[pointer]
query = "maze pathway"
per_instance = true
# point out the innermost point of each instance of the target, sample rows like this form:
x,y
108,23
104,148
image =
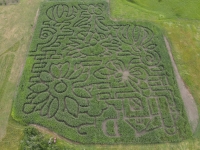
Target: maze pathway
x,y
94,80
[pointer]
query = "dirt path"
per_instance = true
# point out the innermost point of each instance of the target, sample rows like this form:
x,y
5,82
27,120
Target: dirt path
x,y
36,18
189,102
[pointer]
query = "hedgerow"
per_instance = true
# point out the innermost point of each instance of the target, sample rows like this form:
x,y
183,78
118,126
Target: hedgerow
x,y
94,80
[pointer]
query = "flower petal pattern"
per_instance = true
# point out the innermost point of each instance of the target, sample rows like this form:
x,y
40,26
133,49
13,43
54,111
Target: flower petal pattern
x,y
55,71
53,107
81,93
46,77
29,108
38,88
71,106
65,69
41,97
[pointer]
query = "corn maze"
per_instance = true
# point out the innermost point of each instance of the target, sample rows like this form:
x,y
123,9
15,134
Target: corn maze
x,y
94,80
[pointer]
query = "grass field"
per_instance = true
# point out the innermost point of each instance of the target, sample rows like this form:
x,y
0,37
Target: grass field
x,y
119,10
6,62
15,33
169,9
14,134
154,10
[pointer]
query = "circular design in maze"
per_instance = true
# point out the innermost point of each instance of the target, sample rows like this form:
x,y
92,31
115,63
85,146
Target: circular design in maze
x,y
94,80
60,87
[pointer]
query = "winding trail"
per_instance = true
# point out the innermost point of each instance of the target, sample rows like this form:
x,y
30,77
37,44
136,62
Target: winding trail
x,y
188,100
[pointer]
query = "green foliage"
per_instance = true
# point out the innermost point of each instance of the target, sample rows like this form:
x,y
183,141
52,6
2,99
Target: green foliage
x,y
171,8
153,106
141,125
37,88
155,123
167,120
72,106
116,103
33,139
82,93
110,127
110,113
84,70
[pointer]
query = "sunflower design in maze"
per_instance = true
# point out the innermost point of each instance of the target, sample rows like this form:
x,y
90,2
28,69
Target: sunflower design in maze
x,y
100,78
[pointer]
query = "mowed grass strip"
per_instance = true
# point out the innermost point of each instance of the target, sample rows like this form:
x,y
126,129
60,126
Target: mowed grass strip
x,y
16,28
5,68
156,9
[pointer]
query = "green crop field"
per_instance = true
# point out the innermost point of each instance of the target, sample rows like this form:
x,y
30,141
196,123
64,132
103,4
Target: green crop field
x,y
94,80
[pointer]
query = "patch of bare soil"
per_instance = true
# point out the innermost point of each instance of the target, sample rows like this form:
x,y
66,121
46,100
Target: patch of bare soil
x,y
125,75
189,102
36,18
